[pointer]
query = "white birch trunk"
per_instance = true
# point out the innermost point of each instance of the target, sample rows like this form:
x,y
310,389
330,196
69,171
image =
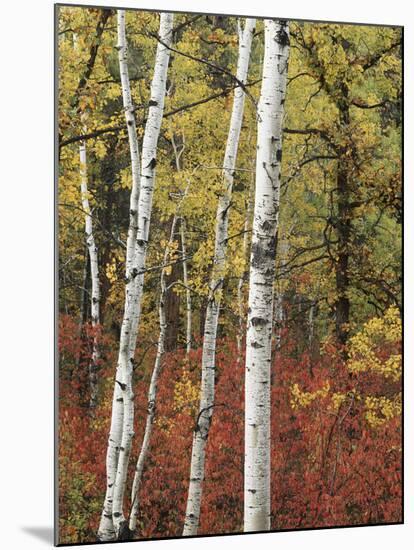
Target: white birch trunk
x,y
122,48
106,528
202,427
132,314
262,271
95,294
94,266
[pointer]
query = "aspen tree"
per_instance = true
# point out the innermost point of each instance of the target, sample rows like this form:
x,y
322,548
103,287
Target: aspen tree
x,y
106,528
94,270
129,335
262,271
93,260
201,430
113,523
152,392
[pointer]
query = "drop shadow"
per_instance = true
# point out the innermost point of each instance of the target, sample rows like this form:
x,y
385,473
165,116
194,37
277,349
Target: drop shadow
x,y
44,534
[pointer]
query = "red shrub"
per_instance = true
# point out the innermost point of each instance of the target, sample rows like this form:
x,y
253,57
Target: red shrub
x,y
329,467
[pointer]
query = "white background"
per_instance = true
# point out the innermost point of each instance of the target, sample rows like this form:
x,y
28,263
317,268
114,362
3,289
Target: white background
x,y
26,271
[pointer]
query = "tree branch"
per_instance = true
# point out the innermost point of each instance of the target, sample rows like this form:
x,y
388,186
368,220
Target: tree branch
x,y
375,58
93,52
208,64
362,105
102,131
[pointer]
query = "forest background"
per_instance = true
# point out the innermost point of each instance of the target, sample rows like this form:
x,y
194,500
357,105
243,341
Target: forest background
x,y
41,340
336,399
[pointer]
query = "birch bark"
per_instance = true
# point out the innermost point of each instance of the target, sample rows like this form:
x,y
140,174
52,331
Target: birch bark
x,y
129,329
106,530
94,267
152,392
262,271
92,251
215,288
128,104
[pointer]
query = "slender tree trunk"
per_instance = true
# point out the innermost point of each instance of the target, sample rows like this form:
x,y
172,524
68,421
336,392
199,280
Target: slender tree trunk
x,y
343,228
106,530
201,430
342,304
172,306
311,324
188,305
107,174
262,272
132,313
84,294
152,392
104,15
94,267
89,236
84,307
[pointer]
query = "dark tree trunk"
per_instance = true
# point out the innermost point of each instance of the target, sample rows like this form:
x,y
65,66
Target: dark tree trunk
x,y
343,228
172,307
172,303
108,176
85,312
84,294
342,306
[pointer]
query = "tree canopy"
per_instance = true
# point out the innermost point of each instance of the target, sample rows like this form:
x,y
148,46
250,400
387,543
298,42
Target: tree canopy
x,y
337,283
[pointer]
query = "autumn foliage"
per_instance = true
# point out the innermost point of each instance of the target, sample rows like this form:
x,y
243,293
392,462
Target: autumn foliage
x,y
336,403
336,438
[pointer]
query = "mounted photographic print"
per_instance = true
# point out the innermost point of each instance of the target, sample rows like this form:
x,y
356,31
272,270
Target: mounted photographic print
x,y
229,275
